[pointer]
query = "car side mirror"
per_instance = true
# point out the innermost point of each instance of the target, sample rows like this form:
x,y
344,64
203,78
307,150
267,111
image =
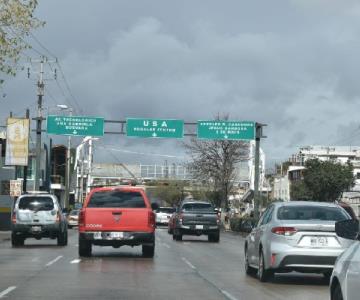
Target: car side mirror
x,y
348,229
154,206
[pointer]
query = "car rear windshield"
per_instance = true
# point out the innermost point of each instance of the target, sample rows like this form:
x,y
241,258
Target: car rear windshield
x,y
74,213
36,203
168,210
307,213
117,199
197,207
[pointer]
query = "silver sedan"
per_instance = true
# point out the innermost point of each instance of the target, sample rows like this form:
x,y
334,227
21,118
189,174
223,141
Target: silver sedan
x,y
295,236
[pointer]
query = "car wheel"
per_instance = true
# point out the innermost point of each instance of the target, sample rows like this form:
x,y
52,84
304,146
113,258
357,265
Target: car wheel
x,y
248,269
214,238
337,293
263,273
84,247
17,241
62,239
148,251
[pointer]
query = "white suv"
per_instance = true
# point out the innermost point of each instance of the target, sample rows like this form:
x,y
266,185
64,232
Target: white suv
x,y
38,215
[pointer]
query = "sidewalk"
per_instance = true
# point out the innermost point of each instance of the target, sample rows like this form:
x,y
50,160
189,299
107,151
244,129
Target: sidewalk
x,y
5,236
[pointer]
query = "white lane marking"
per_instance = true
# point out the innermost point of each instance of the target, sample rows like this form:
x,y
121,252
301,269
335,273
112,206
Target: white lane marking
x,y
166,245
188,263
75,261
228,295
54,260
186,243
7,291
35,259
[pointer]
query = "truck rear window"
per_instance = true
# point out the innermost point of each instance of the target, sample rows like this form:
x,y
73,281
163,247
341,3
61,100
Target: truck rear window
x,y
198,207
36,203
117,199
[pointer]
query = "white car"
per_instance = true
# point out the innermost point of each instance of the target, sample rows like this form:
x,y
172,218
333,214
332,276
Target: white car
x,y
163,215
345,279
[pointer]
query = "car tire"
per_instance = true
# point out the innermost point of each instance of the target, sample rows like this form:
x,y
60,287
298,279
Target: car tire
x,y
214,237
248,269
84,247
337,293
62,239
148,251
263,273
17,241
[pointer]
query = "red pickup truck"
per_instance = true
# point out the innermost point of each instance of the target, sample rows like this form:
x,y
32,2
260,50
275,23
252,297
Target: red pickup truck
x,y
117,216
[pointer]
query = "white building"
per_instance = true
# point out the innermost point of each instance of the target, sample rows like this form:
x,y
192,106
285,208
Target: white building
x,y
282,184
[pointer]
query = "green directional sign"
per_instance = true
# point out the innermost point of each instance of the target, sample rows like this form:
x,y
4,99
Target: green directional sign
x,y
226,130
75,125
155,128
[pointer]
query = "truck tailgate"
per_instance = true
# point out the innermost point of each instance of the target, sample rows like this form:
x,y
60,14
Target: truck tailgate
x,y
117,219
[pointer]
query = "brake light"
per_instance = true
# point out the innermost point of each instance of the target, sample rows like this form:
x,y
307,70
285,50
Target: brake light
x,y
81,219
13,217
151,219
286,231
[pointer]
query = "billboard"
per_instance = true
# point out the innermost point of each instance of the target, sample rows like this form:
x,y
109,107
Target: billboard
x,y
17,142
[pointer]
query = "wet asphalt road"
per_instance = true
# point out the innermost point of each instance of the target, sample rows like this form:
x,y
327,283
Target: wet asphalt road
x,y
191,269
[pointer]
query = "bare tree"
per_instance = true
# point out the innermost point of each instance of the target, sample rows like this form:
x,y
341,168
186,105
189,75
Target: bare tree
x,y
214,162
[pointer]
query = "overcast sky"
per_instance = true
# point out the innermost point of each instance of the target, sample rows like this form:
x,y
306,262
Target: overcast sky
x,y
291,64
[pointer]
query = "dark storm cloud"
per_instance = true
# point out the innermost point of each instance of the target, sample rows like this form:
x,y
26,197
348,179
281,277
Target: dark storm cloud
x,y
290,64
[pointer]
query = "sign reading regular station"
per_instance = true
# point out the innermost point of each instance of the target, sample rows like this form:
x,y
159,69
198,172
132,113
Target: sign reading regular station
x,y
226,130
75,125
156,128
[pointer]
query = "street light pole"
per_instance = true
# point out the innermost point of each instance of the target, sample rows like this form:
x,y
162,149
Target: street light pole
x,y
68,160
68,163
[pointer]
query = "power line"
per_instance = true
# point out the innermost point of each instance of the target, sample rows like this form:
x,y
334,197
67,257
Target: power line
x,y
61,71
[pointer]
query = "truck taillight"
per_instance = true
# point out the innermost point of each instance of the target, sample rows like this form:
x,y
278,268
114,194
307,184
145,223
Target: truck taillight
x,y
81,219
13,217
287,231
151,219
181,216
218,220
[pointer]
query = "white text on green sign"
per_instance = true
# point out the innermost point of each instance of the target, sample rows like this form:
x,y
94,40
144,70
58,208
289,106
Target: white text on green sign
x,y
226,130
156,128
75,125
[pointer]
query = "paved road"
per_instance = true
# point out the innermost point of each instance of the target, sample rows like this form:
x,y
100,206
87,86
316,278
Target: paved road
x,y
191,269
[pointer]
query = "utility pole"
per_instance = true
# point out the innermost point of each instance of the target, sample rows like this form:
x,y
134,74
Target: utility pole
x,y
25,170
258,136
40,85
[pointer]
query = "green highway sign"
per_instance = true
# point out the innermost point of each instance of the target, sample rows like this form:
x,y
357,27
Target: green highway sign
x,y
155,128
75,125
226,130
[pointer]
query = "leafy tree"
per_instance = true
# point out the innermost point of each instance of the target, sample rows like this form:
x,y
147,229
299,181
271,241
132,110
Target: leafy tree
x,y
16,22
326,180
172,192
299,191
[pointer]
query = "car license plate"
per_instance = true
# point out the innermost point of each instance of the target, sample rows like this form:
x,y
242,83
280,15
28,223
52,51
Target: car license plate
x,y
97,235
117,235
319,241
36,228
199,226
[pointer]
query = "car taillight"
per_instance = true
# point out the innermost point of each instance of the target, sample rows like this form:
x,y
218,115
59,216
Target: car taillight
x,y
218,220
13,217
151,219
287,231
81,219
